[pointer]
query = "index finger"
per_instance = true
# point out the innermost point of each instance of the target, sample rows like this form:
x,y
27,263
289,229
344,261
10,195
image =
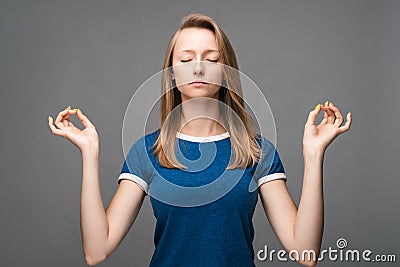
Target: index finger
x,y
85,121
61,115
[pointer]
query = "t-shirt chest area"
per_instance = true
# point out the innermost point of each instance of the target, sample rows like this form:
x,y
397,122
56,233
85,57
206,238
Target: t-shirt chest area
x,y
205,182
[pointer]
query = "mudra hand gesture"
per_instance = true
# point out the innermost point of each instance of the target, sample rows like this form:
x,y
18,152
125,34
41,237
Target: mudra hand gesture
x,y
86,139
318,137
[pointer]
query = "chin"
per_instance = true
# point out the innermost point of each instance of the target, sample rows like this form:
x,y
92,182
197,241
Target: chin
x,y
187,97
199,93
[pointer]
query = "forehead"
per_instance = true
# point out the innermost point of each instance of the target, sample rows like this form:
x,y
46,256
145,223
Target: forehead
x,y
197,39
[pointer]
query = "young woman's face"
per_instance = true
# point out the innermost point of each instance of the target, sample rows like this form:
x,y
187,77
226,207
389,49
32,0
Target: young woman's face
x,y
195,58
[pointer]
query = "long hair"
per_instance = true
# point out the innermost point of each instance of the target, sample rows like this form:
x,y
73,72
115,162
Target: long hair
x,y
243,139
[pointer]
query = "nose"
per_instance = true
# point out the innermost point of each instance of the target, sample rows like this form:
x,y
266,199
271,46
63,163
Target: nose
x,y
198,68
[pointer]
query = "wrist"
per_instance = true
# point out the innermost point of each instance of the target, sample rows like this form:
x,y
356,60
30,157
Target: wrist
x,y
314,154
90,150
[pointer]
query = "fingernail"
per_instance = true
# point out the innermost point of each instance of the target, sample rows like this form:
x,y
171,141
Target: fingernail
x,y
350,113
48,118
75,109
317,106
69,107
331,104
79,111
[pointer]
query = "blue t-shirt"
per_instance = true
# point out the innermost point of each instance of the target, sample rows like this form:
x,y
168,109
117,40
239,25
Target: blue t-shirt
x,y
204,213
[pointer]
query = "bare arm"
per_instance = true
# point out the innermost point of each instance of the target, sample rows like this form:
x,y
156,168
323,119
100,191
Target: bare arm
x,y
301,228
297,229
102,231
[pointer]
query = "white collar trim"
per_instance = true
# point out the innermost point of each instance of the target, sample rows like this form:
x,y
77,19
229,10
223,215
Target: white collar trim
x,y
202,138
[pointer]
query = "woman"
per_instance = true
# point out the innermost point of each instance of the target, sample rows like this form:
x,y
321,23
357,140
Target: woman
x,y
209,232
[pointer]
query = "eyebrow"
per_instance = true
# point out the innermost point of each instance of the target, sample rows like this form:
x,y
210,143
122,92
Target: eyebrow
x,y
206,51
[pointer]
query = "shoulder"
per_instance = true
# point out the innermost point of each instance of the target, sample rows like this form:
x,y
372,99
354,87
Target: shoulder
x,y
140,153
264,142
147,140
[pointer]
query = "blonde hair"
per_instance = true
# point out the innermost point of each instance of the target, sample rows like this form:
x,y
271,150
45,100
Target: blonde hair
x,y
243,140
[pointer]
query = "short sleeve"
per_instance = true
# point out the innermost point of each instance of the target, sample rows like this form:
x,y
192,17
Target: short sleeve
x,y
137,166
270,166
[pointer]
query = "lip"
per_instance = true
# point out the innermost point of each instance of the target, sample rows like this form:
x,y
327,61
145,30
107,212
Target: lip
x,y
198,83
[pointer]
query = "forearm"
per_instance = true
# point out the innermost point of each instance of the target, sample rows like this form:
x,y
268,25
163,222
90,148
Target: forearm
x,y
309,223
94,224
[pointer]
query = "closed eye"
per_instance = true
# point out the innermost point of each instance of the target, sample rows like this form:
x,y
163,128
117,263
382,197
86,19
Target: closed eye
x,y
211,60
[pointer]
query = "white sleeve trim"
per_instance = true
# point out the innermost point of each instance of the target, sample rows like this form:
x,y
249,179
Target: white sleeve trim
x,y
270,177
142,183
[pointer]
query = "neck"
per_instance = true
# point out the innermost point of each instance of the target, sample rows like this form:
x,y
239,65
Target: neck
x,y
201,117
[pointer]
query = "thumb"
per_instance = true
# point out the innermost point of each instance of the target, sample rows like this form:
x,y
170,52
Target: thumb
x,y
312,116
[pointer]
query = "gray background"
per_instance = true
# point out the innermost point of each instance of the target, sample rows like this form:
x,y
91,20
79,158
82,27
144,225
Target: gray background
x,y
94,54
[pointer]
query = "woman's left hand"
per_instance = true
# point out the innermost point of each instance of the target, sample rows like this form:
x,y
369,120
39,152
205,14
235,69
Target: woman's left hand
x,y
318,137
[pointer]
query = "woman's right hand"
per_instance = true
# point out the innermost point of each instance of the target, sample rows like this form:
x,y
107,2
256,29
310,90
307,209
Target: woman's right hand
x,y
86,139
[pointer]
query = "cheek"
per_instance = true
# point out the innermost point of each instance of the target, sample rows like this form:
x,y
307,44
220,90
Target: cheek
x,y
214,74
182,74
216,78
